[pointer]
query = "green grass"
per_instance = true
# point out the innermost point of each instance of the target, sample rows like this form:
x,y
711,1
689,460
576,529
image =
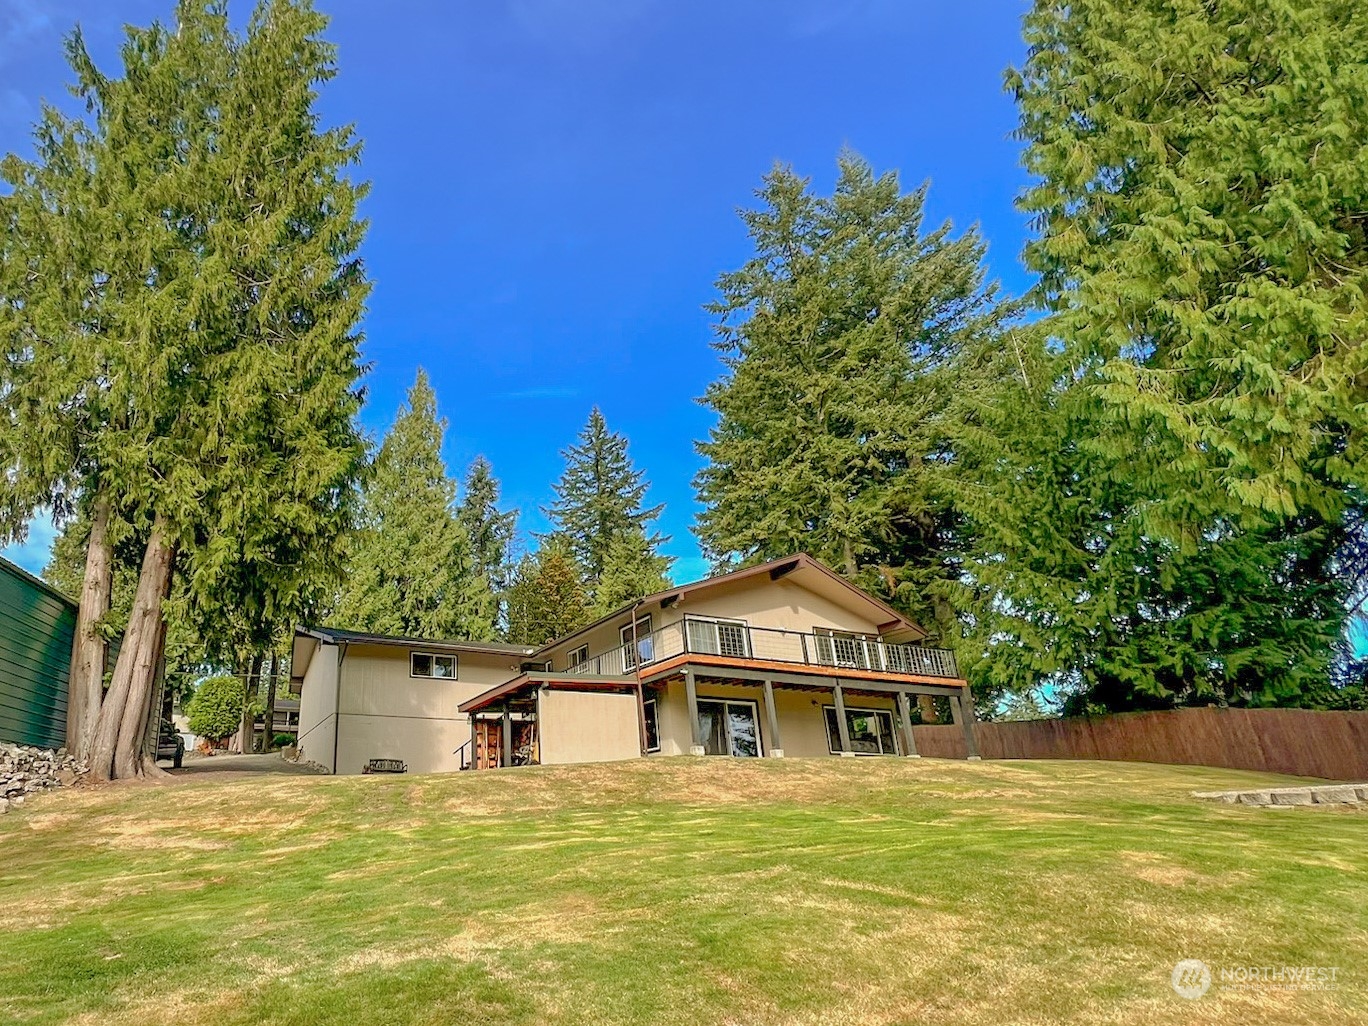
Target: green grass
x,y
678,891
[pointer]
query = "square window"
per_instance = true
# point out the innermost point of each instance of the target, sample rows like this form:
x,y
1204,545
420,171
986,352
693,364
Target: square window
x,y
429,664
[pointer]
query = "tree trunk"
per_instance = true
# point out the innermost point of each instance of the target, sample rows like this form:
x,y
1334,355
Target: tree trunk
x,y
116,751
147,752
88,647
268,728
244,735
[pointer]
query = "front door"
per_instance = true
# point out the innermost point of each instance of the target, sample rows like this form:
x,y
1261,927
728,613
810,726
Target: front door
x,y
729,728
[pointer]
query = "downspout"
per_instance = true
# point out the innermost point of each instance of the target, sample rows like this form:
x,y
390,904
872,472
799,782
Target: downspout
x,y
337,703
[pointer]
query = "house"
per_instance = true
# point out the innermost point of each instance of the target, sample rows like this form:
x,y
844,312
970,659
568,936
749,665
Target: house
x,y
784,658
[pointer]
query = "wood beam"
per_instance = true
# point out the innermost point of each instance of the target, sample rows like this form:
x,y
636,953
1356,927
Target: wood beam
x,y
695,729
905,715
964,702
842,727
507,732
776,746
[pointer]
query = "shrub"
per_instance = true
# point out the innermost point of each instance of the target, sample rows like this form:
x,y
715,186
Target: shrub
x,y
281,740
216,710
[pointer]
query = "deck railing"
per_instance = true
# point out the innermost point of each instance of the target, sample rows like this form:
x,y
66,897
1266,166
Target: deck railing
x,y
740,640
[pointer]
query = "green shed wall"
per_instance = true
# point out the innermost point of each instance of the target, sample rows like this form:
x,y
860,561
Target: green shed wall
x,y
36,629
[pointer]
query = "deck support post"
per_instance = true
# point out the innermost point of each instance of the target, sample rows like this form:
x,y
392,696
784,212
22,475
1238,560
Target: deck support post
x,y
507,732
474,744
905,715
776,746
842,727
695,729
963,705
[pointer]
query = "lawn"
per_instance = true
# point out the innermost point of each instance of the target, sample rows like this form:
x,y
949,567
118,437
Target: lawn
x,y
680,891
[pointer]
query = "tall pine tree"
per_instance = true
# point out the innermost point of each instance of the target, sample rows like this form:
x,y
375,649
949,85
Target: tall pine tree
x,y
836,336
547,597
599,501
413,571
490,531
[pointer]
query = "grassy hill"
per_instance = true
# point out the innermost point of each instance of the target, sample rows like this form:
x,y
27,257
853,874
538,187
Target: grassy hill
x,y
678,891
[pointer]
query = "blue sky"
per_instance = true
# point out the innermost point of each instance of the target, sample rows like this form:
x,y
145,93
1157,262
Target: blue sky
x,y
555,186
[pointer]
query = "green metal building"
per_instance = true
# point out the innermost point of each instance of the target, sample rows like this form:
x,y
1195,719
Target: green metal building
x,y
37,624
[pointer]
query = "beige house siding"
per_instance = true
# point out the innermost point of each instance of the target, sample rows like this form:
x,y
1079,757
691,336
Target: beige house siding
x,y
802,724
387,714
577,726
318,708
781,605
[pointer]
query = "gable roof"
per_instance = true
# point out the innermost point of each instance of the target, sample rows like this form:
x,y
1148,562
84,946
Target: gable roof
x,y
812,571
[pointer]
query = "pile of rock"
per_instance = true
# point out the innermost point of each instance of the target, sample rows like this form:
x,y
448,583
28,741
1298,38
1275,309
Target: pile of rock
x,y
1314,794
24,771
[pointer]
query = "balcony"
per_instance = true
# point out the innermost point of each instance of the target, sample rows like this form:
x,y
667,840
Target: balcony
x,y
734,639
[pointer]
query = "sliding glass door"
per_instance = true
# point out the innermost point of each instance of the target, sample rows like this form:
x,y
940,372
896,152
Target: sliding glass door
x,y
729,728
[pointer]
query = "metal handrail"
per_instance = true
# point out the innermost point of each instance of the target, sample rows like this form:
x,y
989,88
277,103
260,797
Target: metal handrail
x,y
741,640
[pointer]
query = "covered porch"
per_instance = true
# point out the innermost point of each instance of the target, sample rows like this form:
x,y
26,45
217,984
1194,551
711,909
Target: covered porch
x,y
707,705
703,708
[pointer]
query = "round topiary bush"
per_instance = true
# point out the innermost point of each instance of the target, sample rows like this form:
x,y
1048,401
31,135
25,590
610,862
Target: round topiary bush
x,y
216,710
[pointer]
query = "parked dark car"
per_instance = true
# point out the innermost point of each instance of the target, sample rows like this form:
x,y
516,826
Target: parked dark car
x,y
170,745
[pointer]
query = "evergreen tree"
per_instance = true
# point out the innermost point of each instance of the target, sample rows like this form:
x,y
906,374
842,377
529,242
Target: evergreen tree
x,y
1062,583
413,571
490,531
1199,196
632,568
1163,505
547,597
599,498
178,301
836,337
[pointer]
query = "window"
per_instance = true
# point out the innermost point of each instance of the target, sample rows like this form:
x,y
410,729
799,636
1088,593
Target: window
x,y
576,658
718,637
871,731
644,647
844,648
429,664
651,712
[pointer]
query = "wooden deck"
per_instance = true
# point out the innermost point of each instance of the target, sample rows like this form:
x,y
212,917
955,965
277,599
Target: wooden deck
x,y
676,664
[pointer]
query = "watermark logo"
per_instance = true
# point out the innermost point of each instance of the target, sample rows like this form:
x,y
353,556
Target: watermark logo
x,y
1191,978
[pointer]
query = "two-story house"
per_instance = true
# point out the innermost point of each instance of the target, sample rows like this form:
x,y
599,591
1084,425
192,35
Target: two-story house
x,y
784,658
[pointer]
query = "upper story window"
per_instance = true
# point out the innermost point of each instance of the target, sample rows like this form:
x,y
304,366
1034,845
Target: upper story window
x,y
430,664
577,657
716,636
637,644
845,648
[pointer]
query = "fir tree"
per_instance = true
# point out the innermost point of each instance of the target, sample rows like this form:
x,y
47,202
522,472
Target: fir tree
x,y
599,498
836,336
490,531
413,571
631,569
547,597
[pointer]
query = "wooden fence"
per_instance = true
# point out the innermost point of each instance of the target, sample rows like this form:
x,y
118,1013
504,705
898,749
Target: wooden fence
x,y
1301,742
